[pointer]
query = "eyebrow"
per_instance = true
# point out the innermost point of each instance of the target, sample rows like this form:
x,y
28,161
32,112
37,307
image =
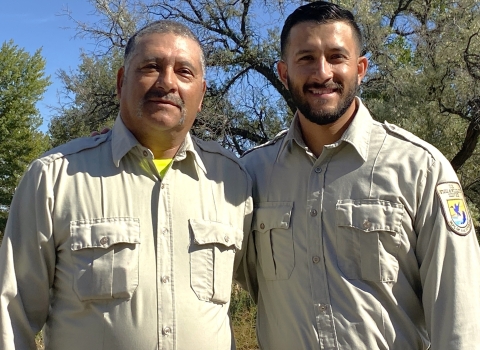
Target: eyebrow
x,y
334,49
182,62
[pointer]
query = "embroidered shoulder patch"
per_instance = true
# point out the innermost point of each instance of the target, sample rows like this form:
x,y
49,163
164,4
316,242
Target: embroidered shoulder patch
x,y
454,207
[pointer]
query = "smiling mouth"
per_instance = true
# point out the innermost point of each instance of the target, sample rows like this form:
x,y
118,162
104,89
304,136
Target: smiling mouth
x,y
322,91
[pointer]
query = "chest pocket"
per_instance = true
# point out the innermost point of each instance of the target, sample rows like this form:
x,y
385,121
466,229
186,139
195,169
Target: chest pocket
x,y
212,256
368,239
105,257
274,239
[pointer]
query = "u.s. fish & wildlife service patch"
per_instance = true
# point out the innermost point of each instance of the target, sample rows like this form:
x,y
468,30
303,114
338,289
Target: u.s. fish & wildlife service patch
x,y
454,207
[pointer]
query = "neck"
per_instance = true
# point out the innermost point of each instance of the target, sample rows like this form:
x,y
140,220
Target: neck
x,y
317,136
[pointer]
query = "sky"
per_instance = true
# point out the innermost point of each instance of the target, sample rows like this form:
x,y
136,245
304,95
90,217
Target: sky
x,y
35,24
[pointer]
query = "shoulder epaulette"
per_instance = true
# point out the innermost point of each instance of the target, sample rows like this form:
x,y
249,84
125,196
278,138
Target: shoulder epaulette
x,y
412,138
214,147
273,141
74,146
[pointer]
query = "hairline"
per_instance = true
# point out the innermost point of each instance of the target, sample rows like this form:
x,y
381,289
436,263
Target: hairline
x,y
357,39
161,27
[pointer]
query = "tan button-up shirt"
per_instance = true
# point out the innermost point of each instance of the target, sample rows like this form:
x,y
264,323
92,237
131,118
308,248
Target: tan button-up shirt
x,y
107,255
355,249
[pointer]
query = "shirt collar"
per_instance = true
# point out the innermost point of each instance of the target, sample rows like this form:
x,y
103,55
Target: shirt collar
x,y
191,145
123,141
357,133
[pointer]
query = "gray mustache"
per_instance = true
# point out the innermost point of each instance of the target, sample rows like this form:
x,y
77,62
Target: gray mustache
x,y
164,96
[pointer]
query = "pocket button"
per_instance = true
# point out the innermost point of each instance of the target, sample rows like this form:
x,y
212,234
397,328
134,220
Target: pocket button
x,y
367,224
104,240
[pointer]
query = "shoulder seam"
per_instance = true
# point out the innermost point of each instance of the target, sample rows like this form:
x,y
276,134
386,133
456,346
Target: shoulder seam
x,y
63,151
273,141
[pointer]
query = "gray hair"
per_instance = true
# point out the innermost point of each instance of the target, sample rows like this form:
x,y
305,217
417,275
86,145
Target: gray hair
x,y
162,27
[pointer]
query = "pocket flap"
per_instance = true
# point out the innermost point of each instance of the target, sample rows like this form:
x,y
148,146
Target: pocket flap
x,y
104,232
270,215
370,215
205,232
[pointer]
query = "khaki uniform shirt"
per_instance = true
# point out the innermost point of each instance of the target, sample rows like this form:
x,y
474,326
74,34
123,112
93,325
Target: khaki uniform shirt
x,y
107,255
354,249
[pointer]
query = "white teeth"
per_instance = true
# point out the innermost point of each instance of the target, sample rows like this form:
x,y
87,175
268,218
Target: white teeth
x,y
322,91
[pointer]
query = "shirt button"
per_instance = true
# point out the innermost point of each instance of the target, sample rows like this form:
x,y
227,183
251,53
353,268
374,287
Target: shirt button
x,y
145,153
367,224
164,230
104,240
313,212
167,331
227,239
316,259
165,279
262,225
318,170
162,186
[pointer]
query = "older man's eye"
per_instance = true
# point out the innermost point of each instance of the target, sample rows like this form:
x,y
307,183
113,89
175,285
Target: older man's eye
x,y
184,72
307,58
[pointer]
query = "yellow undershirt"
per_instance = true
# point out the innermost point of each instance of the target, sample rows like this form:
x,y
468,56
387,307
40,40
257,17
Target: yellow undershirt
x,y
162,165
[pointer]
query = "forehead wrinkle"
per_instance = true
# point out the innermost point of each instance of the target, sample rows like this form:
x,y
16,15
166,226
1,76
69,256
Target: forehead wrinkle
x,y
180,56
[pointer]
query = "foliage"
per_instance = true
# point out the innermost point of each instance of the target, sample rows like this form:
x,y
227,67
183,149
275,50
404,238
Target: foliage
x,y
22,84
424,72
243,313
424,75
89,98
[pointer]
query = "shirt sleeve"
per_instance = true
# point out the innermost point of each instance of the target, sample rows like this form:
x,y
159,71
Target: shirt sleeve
x,y
449,264
27,261
245,272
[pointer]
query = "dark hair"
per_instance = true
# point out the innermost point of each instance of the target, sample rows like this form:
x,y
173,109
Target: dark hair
x,y
161,27
320,12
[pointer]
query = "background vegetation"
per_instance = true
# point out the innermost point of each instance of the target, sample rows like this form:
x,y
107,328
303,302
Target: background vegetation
x,y
424,71
424,75
22,84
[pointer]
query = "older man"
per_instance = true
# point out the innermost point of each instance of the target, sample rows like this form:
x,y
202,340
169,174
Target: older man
x,y
129,240
362,237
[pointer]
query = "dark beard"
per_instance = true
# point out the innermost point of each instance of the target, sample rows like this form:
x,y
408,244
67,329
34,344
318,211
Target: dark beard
x,y
322,117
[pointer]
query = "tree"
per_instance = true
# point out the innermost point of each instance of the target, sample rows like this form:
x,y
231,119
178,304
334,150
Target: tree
x,y
89,98
22,84
423,75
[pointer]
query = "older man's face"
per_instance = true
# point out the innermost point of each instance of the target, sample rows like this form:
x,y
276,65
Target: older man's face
x,y
162,88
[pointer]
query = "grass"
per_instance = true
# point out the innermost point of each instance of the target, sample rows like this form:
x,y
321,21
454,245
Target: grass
x,y
243,312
